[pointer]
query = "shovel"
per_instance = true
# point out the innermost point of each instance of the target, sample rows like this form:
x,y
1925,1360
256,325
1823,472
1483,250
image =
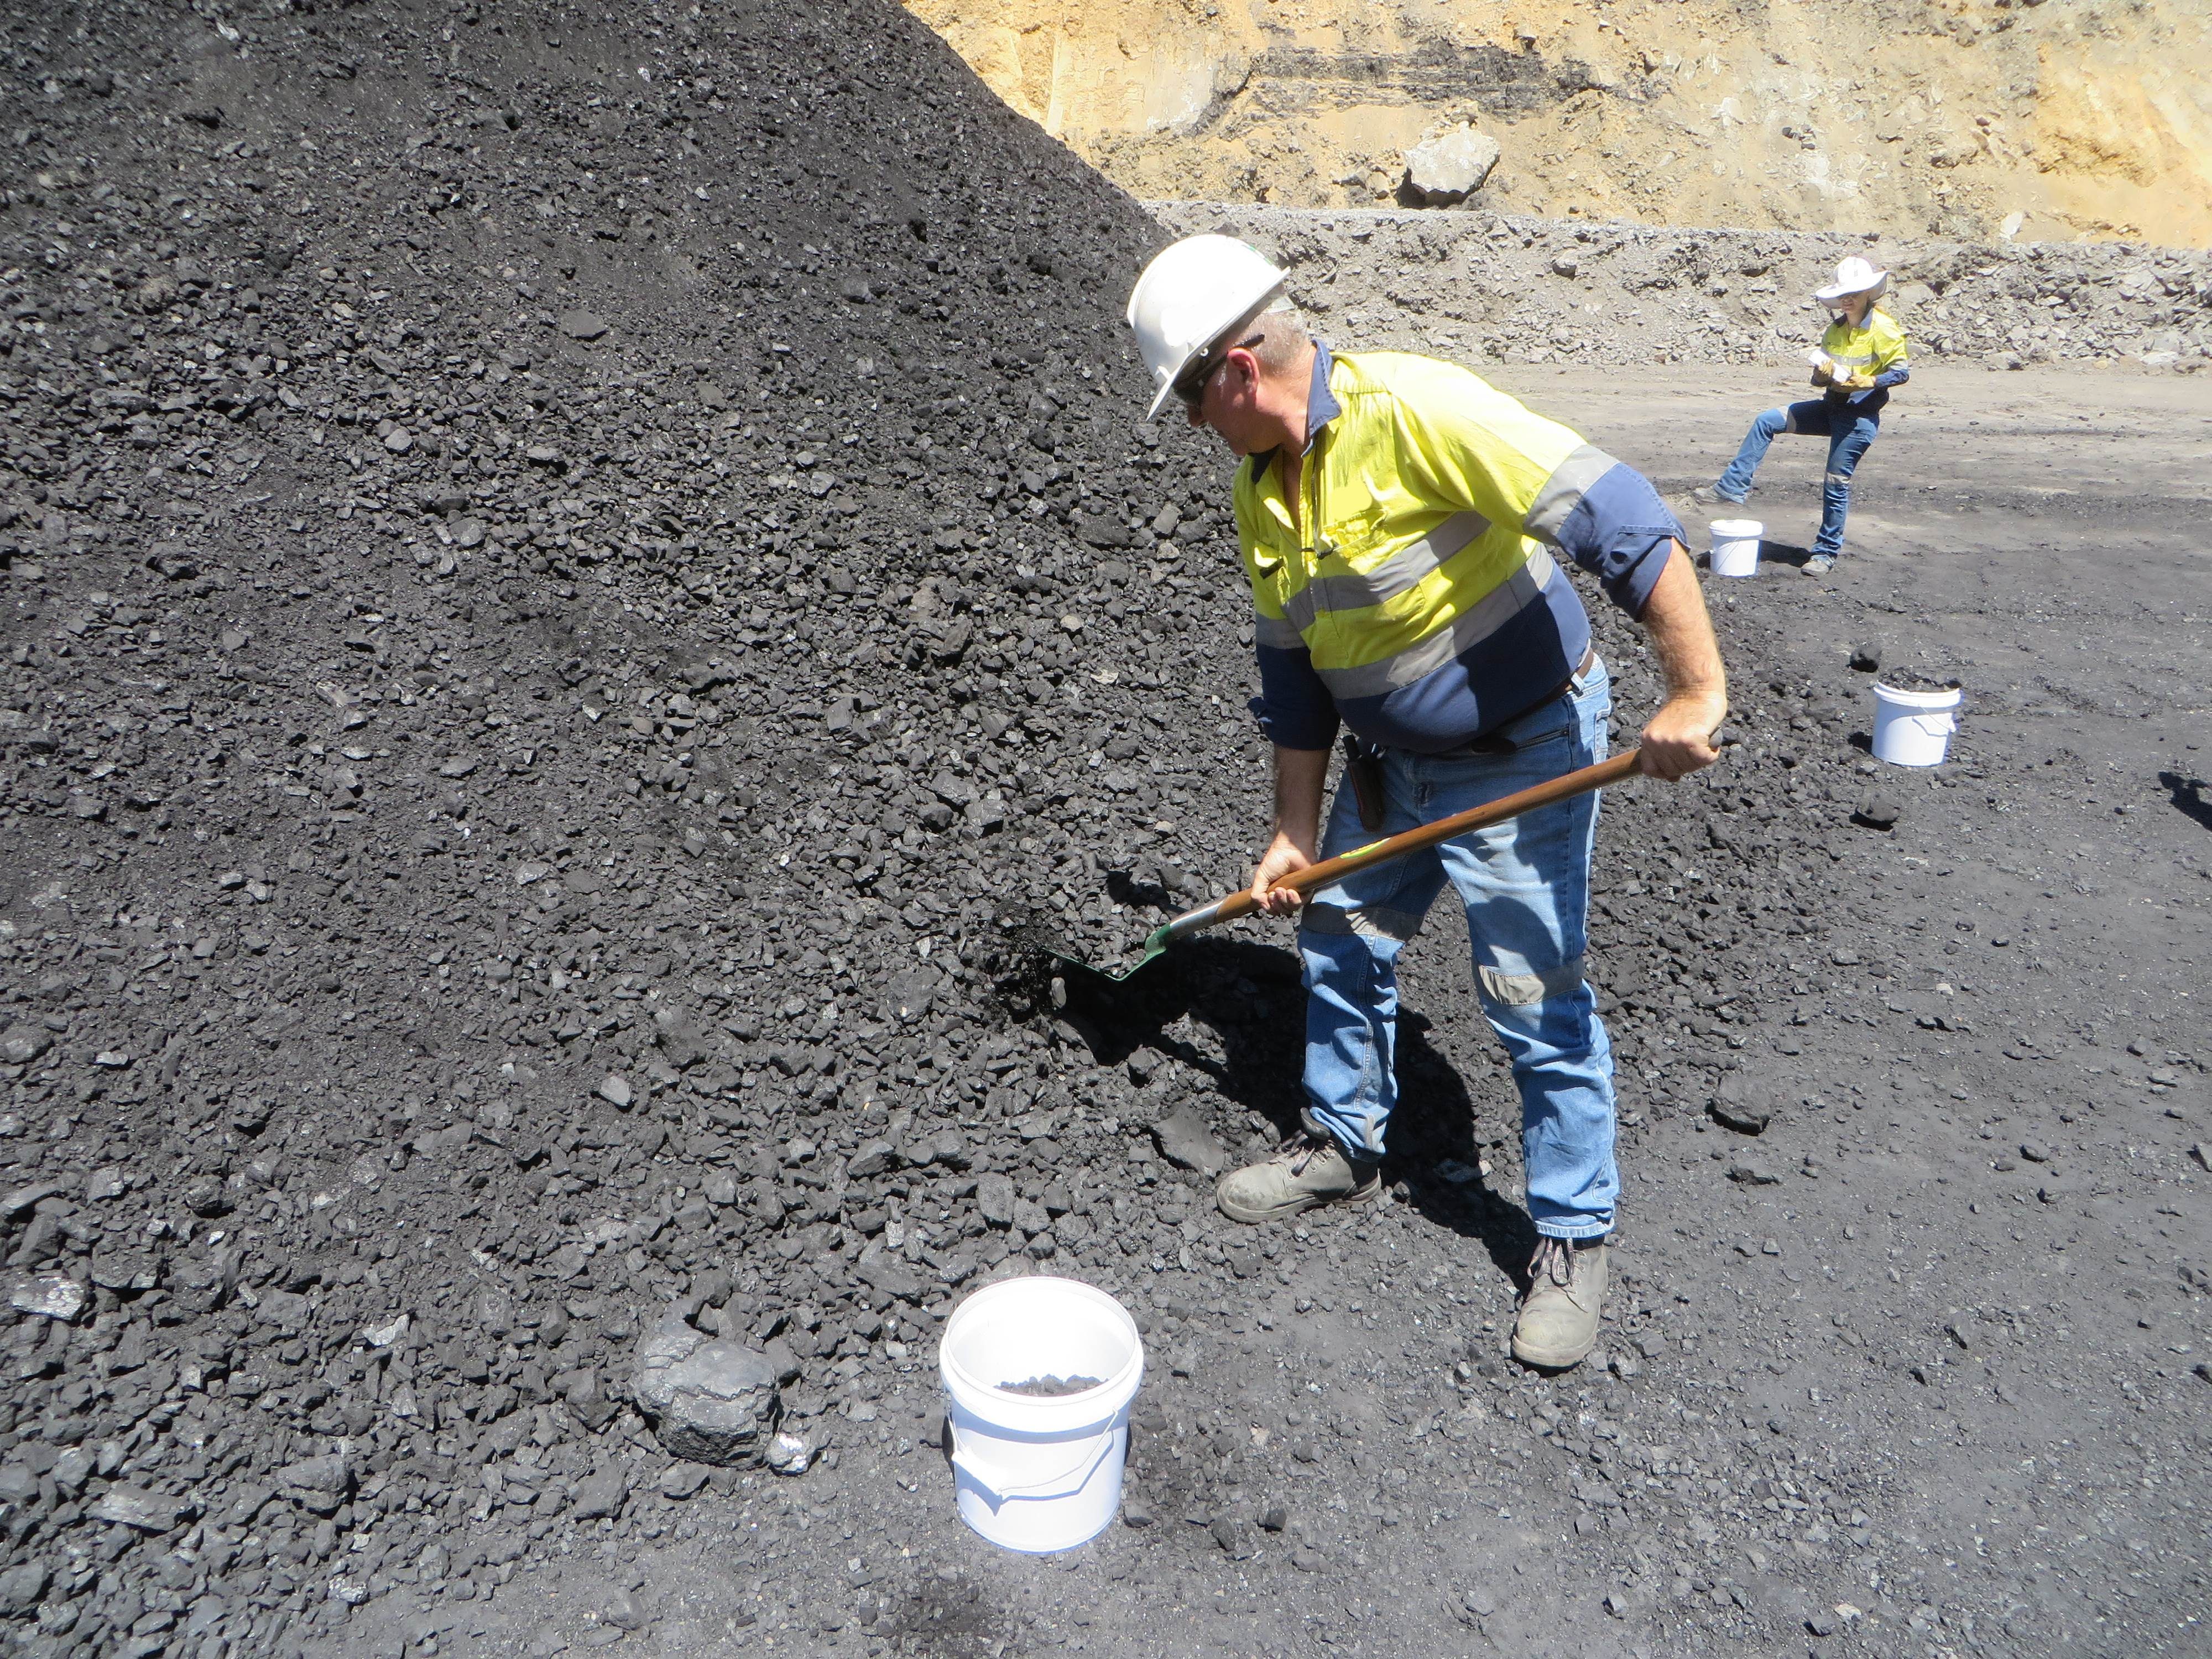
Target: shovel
x,y
1240,903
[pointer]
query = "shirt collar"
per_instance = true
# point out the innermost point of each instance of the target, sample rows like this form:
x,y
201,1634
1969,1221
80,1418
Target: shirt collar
x,y
1321,408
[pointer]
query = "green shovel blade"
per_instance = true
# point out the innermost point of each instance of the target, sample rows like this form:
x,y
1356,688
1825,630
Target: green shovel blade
x,y
1154,943
1190,921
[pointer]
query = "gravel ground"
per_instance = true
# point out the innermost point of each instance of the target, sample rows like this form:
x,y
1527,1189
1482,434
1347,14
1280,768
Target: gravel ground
x,y
556,619
1485,286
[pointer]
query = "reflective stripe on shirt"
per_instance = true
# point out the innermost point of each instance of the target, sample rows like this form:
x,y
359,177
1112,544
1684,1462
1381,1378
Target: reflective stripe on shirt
x,y
1563,491
1484,617
1402,572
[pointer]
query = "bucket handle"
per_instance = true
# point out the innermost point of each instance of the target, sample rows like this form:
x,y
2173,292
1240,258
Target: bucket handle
x,y
994,1482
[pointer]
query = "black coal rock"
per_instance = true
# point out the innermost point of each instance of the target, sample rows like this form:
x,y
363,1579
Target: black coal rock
x,y
1878,812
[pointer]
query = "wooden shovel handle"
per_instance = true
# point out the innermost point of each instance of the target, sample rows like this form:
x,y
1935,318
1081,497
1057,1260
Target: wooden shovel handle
x,y
1567,788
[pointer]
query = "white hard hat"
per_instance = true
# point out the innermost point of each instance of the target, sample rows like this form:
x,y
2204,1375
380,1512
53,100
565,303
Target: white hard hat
x,y
1853,275
1194,292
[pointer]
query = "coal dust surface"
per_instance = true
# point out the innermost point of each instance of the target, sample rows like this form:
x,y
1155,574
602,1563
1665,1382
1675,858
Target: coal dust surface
x,y
1050,1388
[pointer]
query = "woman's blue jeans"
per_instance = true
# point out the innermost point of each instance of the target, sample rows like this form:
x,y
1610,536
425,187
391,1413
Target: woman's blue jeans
x,y
1524,886
1848,432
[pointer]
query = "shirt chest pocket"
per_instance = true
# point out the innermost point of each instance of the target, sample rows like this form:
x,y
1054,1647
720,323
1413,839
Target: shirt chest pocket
x,y
1351,532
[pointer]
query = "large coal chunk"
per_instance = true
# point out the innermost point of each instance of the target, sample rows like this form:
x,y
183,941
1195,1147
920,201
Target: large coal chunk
x,y
712,1400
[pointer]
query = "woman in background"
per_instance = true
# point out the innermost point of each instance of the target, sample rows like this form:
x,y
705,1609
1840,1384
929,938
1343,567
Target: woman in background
x,y
1860,358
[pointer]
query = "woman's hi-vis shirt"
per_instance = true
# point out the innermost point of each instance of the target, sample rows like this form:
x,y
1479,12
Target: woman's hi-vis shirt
x,y
1875,347
1416,597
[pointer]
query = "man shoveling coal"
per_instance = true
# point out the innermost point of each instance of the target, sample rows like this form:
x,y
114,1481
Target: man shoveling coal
x,y
1399,519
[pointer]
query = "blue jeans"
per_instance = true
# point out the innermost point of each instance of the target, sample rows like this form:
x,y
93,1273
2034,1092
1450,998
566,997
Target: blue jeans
x,y
1848,433
1525,887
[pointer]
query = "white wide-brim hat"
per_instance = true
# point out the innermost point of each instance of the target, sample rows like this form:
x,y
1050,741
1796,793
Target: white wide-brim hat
x,y
1853,275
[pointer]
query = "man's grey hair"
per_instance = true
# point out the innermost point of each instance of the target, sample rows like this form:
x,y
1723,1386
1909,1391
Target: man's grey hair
x,y
1283,339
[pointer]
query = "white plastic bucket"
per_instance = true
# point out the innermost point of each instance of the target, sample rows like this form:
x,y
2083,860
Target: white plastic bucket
x,y
1735,546
1039,1474
1914,728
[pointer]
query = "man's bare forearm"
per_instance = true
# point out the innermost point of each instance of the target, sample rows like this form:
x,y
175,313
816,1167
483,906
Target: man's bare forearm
x,y
1678,741
1300,775
1682,633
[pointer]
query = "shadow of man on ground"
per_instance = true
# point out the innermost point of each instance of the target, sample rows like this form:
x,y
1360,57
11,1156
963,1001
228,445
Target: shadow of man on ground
x,y
1251,999
2187,797
1788,553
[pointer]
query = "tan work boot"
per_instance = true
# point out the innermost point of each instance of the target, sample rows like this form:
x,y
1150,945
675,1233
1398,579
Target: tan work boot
x,y
1309,1169
1557,1326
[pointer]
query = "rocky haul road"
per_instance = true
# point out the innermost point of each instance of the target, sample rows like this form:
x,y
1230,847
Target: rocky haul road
x,y
569,585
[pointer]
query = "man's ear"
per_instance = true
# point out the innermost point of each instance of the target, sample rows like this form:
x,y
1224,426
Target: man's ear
x,y
1245,366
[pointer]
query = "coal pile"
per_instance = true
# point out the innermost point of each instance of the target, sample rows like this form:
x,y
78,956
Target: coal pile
x,y
558,576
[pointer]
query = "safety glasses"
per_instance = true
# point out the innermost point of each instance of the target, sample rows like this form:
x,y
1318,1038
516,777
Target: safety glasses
x,y
1190,385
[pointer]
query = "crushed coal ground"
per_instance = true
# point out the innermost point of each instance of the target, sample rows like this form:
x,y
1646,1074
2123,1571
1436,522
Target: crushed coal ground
x,y
578,595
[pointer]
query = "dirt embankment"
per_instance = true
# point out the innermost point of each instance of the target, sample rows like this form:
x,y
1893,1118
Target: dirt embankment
x,y
1970,119
1481,286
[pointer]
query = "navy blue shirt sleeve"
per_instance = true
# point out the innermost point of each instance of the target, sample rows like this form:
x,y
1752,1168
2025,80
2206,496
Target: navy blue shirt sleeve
x,y
1294,708
1622,533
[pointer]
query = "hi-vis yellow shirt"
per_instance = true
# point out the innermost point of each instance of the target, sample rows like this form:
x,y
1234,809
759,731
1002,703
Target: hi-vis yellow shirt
x,y
1875,347
1414,594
